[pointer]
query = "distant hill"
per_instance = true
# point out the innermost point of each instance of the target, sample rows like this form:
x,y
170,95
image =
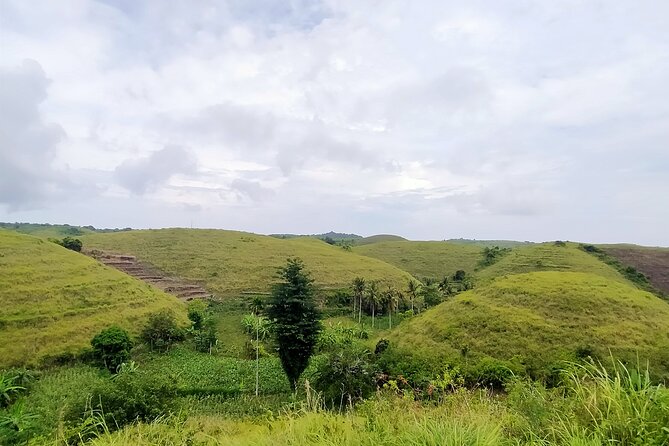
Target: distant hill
x,y
489,243
55,300
336,236
378,239
530,322
548,257
230,262
48,230
424,259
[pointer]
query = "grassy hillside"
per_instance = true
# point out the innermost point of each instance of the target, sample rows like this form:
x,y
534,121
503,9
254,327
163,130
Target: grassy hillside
x,y
54,300
379,238
229,262
537,319
424,259
547,257
488,243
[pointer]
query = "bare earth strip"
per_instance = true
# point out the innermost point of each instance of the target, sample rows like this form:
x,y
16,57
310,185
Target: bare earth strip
x,y
150,274
653,262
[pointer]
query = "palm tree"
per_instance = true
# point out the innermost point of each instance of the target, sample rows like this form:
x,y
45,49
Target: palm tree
x,y
358,293
373,297
413,290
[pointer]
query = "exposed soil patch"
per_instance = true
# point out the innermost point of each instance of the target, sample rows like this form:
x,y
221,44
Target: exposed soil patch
x,y
150,274
653,262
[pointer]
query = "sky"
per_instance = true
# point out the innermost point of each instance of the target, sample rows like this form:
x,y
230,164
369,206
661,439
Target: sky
x,y
434,119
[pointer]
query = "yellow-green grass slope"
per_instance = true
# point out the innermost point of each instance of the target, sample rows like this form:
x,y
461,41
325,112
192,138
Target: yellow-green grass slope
x,y
547,257
230,262
536,320
425,259
53,301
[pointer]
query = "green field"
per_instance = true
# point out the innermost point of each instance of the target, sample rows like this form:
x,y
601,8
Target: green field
x,y
425,259
54,300
230,262
535,320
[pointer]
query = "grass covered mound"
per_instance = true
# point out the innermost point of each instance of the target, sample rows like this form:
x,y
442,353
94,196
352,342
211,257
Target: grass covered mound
x,y
230,262
529,323
54,300
553,256
425,259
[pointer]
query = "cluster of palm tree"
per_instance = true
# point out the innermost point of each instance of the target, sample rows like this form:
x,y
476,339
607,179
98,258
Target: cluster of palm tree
x,y
369,296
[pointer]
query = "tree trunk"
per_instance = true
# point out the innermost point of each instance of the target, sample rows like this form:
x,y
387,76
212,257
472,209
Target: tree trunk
x,y
390,318
257,355
373,315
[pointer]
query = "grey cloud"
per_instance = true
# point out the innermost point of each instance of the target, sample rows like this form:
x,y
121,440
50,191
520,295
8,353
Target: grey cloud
x,y
28,145
143,174
252,189
237,126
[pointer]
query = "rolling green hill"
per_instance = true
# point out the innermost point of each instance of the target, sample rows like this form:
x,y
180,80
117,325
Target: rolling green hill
x,y
230,262
424,259
54,300
535,320
379,238
547,257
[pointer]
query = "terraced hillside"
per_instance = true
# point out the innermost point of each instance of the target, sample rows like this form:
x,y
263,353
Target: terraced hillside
x,y
653,262
547,257
534,320
425,259
54,300
230,262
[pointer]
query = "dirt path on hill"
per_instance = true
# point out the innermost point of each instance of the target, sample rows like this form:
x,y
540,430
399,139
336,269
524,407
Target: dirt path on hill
x,y
150,274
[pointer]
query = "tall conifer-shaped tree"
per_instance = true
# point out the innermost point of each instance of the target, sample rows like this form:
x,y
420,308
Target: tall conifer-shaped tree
x,y
295,319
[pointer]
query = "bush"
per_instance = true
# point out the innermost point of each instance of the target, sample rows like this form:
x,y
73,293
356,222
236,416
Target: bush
x,y
136,396
162,331
347,376
73,244
112,347
197,313
491,372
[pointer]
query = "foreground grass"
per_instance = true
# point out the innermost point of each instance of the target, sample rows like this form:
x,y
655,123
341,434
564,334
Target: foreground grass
x,y
54,300
533,321
592,408
230,262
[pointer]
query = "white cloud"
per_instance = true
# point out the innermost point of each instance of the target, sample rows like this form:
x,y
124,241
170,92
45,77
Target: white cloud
x,y
429,121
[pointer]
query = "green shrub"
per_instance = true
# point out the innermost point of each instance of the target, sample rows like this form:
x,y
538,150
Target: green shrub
x,y
489,372
346,377
73,244
161,331
136,396
112,347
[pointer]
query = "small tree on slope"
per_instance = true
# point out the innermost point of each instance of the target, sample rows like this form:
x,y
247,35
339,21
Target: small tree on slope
x,y
295,319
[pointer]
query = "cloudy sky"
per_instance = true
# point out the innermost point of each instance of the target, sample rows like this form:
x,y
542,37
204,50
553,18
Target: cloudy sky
x,y
521,119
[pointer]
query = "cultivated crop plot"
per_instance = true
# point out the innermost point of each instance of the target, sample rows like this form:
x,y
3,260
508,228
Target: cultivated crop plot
x,y
320,223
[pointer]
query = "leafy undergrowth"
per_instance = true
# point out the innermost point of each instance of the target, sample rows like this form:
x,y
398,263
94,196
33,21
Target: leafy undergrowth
x,y
591,408
54,300
528,323
230,262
